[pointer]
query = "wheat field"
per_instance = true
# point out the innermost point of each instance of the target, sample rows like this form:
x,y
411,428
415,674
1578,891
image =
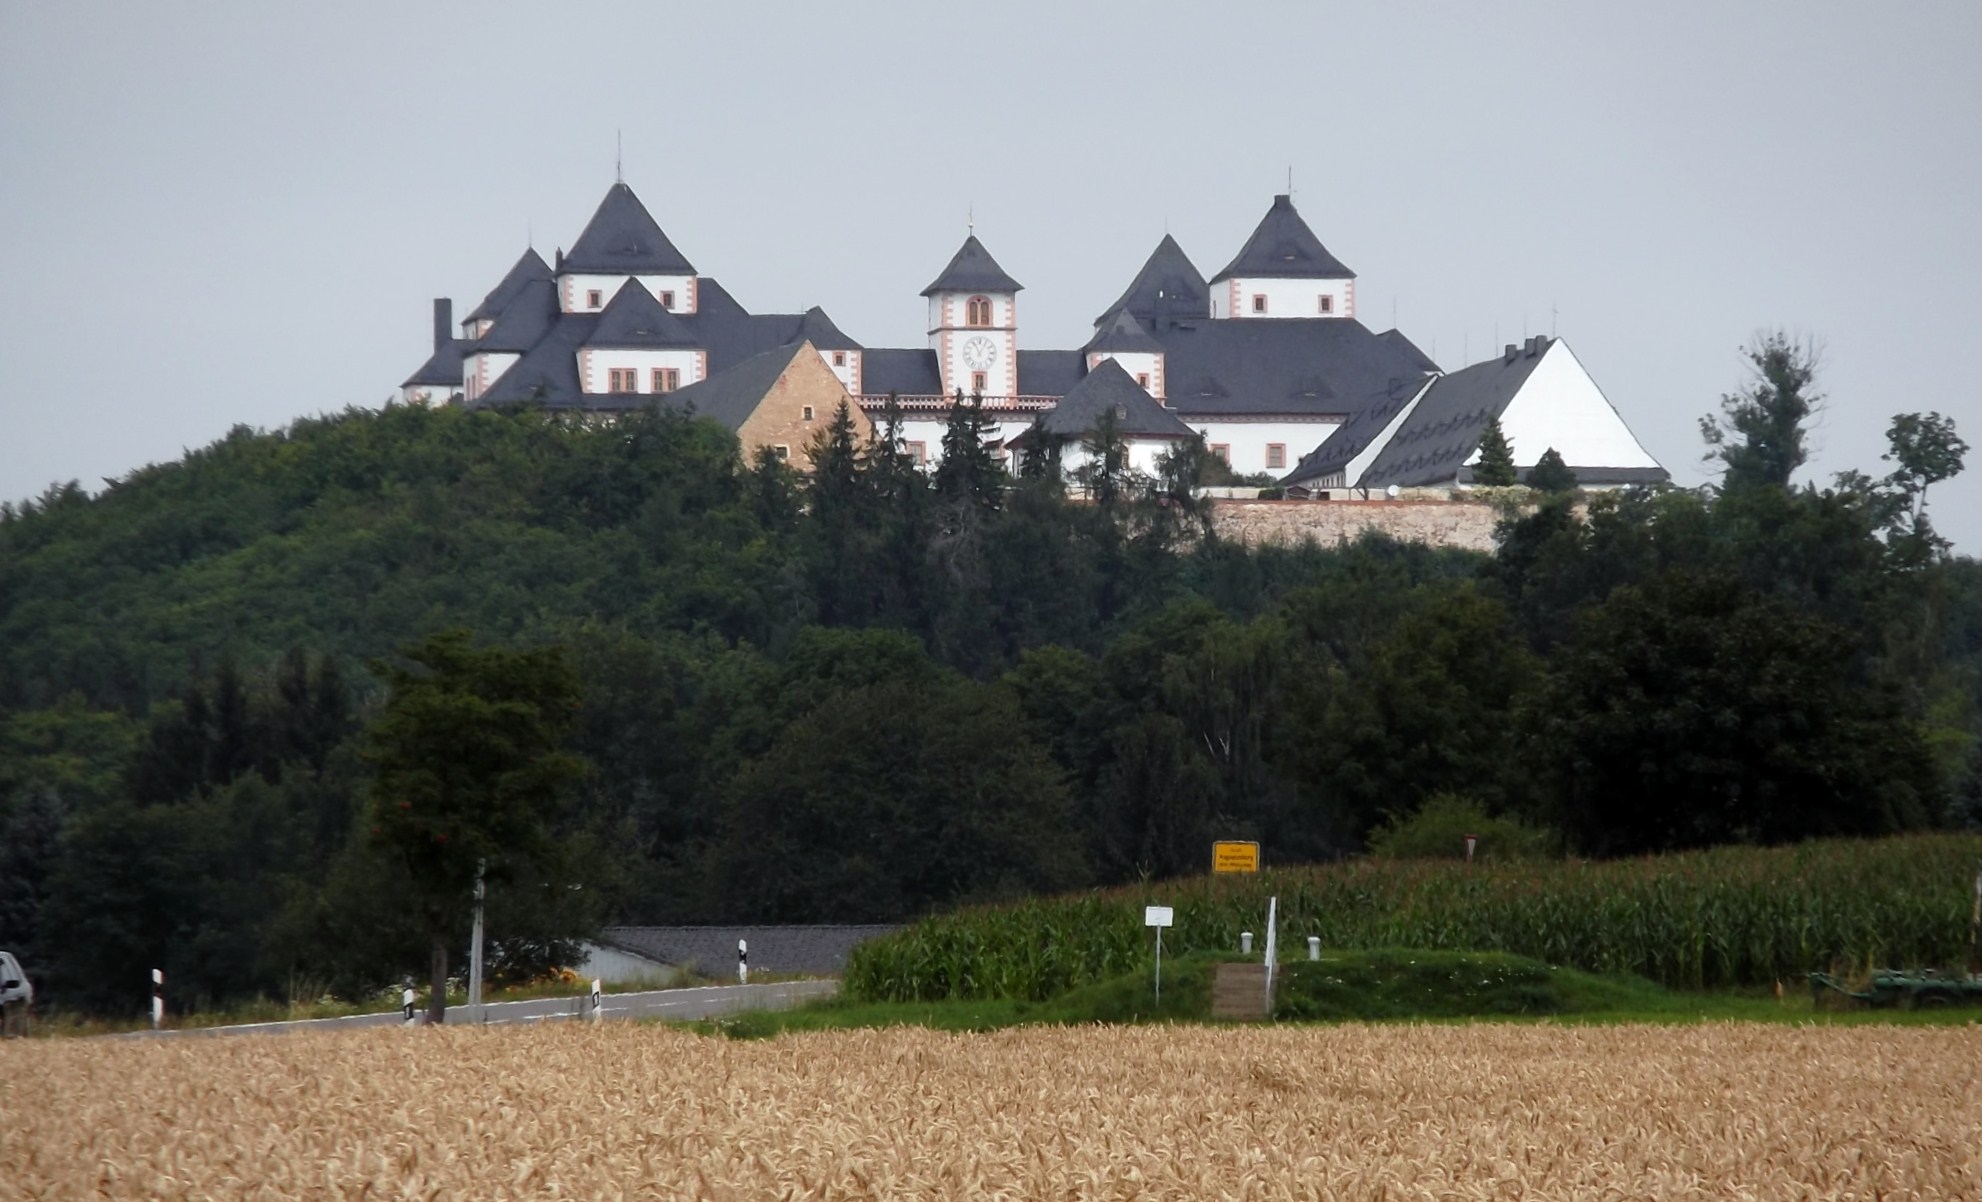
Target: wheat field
x,y
1364,1112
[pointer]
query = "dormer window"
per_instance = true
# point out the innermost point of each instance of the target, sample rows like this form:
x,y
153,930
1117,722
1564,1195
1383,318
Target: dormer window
x,y
594,299
1259,302
1327,304
977,311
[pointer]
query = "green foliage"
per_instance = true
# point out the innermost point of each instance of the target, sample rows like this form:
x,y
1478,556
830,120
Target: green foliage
x,y
1495,468
1730,916
1551,476
1411,983
1758,436
1439,828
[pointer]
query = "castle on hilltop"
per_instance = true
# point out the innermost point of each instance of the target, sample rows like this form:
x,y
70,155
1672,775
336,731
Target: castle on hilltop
x,y
1266,361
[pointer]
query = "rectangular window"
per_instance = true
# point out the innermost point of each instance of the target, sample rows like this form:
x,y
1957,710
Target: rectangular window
x,y
977,381
918,451
622,379
1276,454
1327,304
808,413
594,298
667,379
781,451
1224,451
1142,378
1259,302
667,300
839,358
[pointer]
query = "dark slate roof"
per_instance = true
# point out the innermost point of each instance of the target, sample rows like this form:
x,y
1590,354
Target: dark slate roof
x,y
523,322
442,370
1445,427
1123,332
1354,435
1307,367
1168,288
1284,247
1406,349
633,319
1107,387
909,372
623,237
732,395
530,266
790,949
818,329
547,374
1050,373
973,270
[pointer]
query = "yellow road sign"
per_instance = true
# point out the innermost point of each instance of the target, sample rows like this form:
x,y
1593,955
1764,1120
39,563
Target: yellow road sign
x,y
1234,857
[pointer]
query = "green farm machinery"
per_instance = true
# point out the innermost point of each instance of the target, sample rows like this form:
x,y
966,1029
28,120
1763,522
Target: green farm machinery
x,y
1906,990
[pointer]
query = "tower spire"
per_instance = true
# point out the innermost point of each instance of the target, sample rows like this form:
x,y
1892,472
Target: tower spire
x,y
618,156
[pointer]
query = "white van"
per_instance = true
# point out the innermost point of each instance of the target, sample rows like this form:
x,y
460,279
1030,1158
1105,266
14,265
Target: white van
x,y
16,995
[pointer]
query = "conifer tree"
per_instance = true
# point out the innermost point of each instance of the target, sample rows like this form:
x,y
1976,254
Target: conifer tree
x,y
1551,475
1496,466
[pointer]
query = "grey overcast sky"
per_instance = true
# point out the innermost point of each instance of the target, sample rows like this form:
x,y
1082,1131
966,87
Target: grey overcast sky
x,y
224,213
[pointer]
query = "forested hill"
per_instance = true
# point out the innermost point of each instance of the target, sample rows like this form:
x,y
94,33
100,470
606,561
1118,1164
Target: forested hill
x,y
872,692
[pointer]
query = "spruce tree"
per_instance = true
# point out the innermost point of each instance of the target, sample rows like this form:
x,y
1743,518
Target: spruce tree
x,y
1496,466
1551,475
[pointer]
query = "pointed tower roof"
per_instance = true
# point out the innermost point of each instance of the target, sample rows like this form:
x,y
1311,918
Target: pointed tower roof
x,y
524,321
1169,277
623,237
530,266
1123,333
1284,247
1110,387
973,270
634,320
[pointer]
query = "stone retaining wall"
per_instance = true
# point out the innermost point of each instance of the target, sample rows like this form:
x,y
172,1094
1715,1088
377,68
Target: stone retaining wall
x,y
1439,523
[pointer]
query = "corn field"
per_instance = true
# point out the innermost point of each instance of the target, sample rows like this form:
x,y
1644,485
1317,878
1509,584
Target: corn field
x,y
1730,916
1396,1112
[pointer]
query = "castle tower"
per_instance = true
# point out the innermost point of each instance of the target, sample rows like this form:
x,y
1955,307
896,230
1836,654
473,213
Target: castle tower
x,y
1284,271
973,324
623,242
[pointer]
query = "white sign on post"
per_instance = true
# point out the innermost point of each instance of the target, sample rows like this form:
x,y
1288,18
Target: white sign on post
x,y
406,1004
598,1001
1158,917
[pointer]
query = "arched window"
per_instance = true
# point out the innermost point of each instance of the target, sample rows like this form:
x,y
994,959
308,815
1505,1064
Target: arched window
x,y
977,311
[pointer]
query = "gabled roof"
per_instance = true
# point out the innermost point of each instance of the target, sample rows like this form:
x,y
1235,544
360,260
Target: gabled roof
x,y
1049,373
524,320
1407,350
1109,387
623,237
1168,288
547,374
732,396
818,329
1353,436
530,266
973,270
1446,426
634,320
1283,247
1123,332
442,370
1315,368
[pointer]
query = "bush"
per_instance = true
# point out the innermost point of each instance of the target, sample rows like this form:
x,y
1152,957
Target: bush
x,y
1438,832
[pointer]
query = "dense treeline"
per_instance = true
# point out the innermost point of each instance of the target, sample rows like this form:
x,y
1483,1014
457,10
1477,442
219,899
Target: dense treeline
x,y
874,691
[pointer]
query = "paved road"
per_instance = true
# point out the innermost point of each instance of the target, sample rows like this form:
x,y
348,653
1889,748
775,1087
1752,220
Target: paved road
x,y
707,1001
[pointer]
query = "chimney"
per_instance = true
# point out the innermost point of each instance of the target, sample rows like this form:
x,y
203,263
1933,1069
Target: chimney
x,y
443,323
1512,353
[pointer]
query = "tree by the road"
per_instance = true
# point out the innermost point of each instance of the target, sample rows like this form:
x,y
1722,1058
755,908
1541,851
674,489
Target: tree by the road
x,y
470,771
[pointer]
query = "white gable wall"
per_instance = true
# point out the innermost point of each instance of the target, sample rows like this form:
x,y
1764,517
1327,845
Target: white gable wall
x,y
574,291
1352,472
593,364
479,372
1138,364
1560,406
1249,439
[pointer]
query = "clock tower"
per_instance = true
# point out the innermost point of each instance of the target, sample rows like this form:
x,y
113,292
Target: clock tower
x,y
973,324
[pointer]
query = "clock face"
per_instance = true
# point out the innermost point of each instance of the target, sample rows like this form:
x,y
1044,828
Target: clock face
x,y
979,353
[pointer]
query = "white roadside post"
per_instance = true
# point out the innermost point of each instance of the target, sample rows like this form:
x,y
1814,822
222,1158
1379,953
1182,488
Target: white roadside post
x,y
1314,947
1272,946
1472,841
157,998
406,1004
475,952
1158,917
598,1001
1245,943
742,962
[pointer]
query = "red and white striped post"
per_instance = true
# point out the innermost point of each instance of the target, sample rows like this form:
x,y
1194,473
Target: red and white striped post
x,y
742,962
157,998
